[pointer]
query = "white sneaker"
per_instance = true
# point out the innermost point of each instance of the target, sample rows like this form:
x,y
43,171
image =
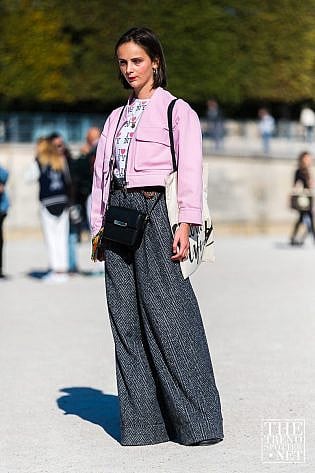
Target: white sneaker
x,y
55,278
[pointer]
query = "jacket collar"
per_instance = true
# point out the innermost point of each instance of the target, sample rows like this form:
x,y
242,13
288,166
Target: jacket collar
x,y
153,100
155,108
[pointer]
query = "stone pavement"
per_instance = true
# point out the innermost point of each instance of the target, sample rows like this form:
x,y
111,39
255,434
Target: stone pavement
x,y
57,358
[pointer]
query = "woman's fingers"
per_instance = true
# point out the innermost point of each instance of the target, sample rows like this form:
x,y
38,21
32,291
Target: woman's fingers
x,y
176,241
180,246
180,256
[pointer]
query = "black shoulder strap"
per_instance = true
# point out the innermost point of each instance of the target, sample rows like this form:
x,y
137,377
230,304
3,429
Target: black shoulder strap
x,y
112,158
120,115
170,132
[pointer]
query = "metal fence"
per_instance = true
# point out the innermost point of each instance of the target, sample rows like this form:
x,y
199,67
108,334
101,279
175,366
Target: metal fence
x,y
23,127
26,127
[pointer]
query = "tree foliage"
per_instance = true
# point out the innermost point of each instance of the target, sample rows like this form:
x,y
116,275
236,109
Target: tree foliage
x,y
275,44
34,54
57,51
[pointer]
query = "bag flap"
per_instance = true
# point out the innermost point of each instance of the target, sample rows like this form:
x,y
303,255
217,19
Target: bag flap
x,y
124,217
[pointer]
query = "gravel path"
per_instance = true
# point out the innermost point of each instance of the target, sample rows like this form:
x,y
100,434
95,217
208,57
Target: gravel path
x,y
57,358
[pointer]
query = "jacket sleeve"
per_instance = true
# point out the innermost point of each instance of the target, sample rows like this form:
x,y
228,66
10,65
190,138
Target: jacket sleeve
x,y
189,152
4,174
97,204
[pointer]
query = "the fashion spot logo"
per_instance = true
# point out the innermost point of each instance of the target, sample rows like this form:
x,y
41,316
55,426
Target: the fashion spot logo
x,y
283,441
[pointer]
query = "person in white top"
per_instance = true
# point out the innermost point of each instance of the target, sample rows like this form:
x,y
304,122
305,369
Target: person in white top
x,y
307,120
266,128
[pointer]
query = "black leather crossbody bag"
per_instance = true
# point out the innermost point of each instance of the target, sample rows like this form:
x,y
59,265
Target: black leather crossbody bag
x,y
124,225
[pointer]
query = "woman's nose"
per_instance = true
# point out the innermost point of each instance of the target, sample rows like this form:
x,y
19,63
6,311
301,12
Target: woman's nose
x,y
129,67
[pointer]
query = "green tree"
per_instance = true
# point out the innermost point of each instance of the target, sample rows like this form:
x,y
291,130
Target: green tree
x,y
196,42
34,54
275,42
57,51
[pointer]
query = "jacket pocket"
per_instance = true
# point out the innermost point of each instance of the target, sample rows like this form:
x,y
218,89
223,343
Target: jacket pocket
x,y
152,149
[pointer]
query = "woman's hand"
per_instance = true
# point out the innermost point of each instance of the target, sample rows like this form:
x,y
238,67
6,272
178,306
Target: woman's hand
x,y
97,250
181,242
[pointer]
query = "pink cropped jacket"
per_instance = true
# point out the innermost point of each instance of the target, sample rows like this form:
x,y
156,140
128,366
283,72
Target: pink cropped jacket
x,y
149,159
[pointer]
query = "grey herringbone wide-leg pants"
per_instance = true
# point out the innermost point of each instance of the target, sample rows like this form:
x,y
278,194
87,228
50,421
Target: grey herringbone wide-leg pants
x,y
165,379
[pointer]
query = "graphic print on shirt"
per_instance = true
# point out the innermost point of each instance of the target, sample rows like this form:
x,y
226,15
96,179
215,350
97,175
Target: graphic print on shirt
x,y
125,134
55,180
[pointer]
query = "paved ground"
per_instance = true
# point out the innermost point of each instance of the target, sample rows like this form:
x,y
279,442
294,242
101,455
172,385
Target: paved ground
x,y
56,349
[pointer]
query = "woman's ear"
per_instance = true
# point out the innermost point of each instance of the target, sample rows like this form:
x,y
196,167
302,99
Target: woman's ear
x,y
156,63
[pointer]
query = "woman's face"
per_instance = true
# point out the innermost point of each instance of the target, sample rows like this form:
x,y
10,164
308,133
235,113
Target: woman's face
x,y
136,66
307,160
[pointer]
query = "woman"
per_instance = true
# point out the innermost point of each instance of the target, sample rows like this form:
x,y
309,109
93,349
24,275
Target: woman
x,y
303,180
52,172
74,210
165,380
4,206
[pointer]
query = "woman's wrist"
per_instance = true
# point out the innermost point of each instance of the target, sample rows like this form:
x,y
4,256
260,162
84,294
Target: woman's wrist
x,y
184,227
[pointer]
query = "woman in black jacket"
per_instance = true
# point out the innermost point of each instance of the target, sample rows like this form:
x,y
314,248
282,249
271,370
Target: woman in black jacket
x,y
303,179
4,206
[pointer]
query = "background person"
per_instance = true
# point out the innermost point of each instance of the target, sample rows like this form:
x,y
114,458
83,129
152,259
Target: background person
x,y
307,120
74,211
4,207
82,178
52,173
303,179
82,171
215,123
166,384
266,128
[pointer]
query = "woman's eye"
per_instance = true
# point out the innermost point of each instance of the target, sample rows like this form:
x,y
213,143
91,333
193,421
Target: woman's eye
x,y
137,61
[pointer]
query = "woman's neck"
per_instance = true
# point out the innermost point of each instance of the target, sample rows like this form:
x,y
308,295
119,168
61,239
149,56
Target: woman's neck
x,y
145,92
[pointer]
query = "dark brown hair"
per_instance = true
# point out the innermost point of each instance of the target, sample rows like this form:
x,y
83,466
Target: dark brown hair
x,y
145,38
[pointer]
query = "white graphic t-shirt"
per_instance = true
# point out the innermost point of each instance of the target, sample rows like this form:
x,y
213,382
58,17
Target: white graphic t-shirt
x,y
125,134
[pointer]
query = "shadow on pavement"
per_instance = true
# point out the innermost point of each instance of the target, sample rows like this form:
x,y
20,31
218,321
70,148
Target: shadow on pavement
x,y
37,273
94,406
286,245
40,274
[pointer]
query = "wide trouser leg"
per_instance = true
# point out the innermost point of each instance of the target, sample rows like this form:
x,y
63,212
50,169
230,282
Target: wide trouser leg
x,y
62,242
297,226
172,335
141,421
56,233
176,338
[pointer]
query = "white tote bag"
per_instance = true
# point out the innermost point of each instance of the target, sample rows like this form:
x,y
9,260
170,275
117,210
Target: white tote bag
x,y
201,237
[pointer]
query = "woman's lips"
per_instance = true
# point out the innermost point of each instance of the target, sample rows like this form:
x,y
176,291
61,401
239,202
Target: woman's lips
x,y
131,79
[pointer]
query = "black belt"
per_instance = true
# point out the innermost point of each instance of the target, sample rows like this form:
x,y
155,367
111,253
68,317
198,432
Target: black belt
x,y
148,191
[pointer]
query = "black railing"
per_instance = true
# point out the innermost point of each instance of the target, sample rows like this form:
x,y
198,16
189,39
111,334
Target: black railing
x,y
28,127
